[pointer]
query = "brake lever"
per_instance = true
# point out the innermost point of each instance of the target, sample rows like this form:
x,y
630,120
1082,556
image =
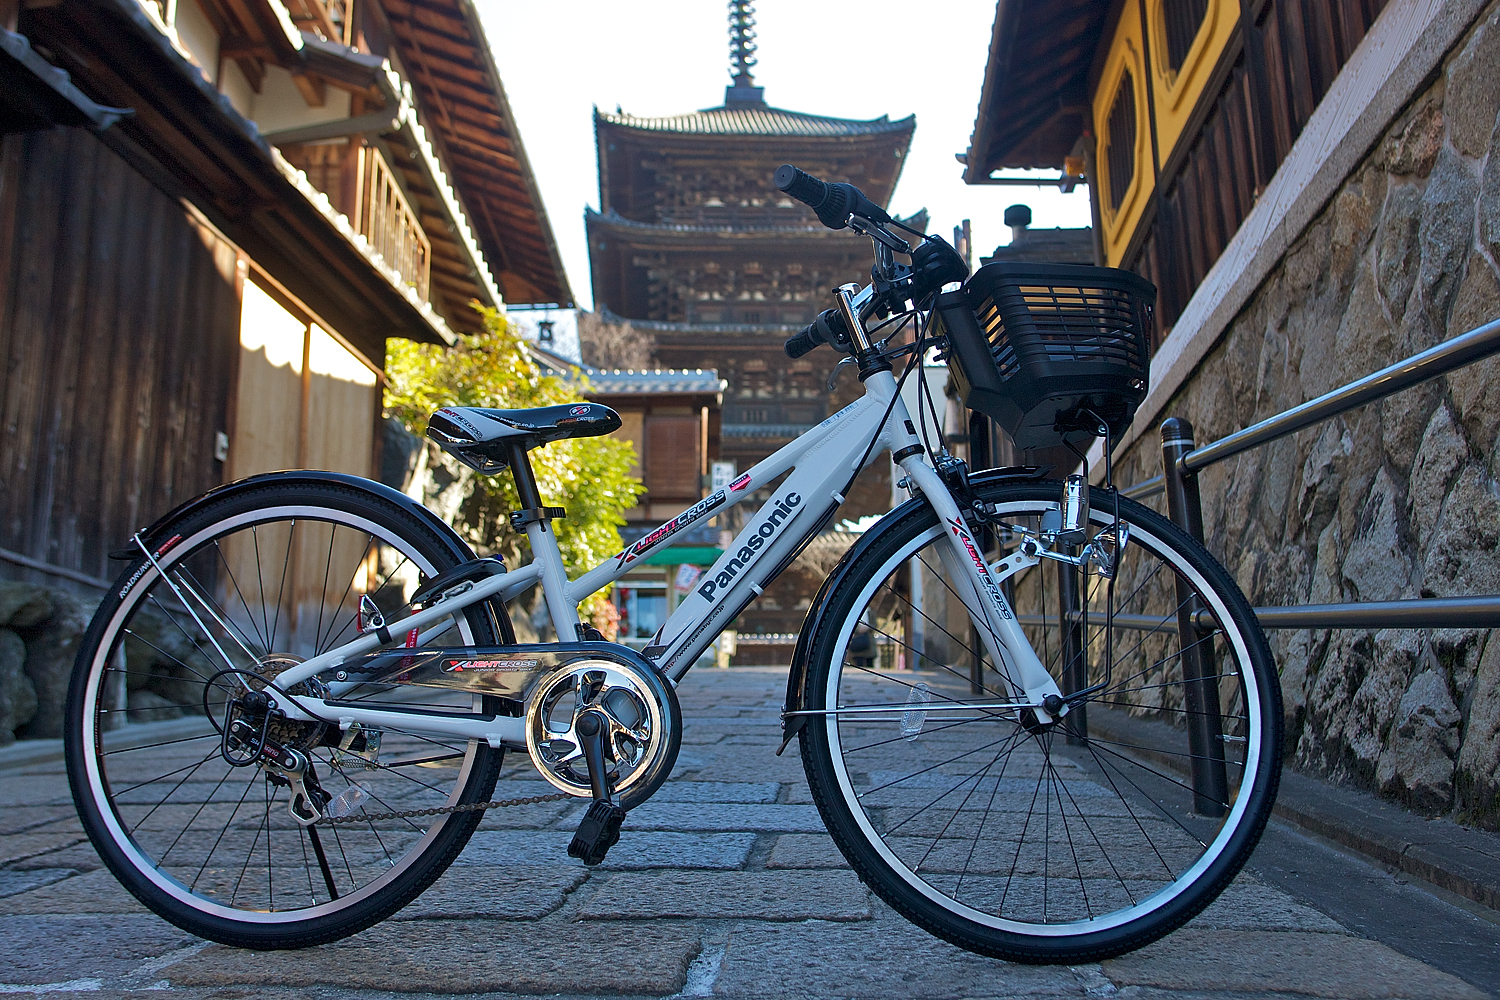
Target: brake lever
x,y
833,379
879,234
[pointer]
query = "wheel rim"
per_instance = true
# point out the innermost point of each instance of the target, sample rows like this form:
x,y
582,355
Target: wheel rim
x,y
1016,831
220,839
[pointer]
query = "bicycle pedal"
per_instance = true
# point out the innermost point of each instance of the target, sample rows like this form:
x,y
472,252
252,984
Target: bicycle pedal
x,y
599,831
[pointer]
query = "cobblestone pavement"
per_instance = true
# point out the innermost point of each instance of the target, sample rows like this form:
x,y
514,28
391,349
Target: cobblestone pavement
x,y
723,885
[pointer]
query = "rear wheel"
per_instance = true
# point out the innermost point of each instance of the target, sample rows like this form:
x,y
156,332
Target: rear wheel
x,y
1043,843
262,579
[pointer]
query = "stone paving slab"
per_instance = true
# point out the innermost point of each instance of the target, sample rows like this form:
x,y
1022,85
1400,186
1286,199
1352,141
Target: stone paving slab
x,y
717,791
736,864
886,957
1254,961
636,849
475,956
742,764
1249,904
655,815
39,819
20,846
512,892
13,883
96,892
79,855
805,850
770,896
56,949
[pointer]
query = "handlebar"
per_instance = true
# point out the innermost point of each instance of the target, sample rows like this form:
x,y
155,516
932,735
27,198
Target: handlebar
x,y
934,262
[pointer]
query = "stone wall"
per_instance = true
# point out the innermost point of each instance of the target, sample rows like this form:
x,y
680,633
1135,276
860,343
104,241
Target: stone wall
x,y
1398,499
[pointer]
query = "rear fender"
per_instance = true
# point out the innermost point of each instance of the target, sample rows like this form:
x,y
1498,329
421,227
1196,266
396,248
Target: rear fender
x,y
796,681
155,535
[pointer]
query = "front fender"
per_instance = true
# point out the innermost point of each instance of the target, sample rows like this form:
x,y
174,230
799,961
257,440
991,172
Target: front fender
x,y
796,681
154,534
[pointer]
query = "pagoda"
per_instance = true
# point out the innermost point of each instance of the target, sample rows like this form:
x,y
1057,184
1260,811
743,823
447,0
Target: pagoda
x,y
694,243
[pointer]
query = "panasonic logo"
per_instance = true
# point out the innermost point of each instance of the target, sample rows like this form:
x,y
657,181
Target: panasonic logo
x,y
779,515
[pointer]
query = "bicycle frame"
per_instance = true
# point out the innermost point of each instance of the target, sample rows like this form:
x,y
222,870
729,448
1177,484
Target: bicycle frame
x,y
822,463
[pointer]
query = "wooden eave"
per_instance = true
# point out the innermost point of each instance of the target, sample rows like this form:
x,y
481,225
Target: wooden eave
x,y
443,49
1034,102
685,149
187,139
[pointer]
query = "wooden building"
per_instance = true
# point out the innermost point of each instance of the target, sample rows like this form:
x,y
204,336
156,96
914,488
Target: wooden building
x,y
203,289
1182,111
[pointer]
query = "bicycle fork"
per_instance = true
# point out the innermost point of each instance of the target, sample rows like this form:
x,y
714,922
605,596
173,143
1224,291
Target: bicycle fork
x,y
993,617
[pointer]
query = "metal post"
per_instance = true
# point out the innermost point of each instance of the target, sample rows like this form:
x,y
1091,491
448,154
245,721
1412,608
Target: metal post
x,y
1204,724
1074,663
918,634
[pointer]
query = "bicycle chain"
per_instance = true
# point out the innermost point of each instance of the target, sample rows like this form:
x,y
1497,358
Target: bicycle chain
x,y
364,817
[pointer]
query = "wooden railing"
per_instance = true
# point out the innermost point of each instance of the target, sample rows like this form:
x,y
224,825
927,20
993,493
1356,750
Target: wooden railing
x,y
387,221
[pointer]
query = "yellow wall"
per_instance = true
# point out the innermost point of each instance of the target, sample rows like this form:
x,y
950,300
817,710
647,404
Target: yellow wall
x,y
268,405
1176,94
1126,53
282,423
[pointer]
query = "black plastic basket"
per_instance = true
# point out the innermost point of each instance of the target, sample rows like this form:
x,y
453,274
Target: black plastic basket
x,y
1034,346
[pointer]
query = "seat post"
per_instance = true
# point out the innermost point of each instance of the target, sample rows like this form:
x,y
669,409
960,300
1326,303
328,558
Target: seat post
x,y
520,467
533,519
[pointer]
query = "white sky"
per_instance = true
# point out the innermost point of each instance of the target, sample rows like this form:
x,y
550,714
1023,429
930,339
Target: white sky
x,y
667,57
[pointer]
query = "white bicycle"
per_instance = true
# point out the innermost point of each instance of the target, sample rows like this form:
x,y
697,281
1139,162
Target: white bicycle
x,y
1037,718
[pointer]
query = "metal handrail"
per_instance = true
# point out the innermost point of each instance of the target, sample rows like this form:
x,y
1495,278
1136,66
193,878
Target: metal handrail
x,y
1428,612
1466,348
1183,461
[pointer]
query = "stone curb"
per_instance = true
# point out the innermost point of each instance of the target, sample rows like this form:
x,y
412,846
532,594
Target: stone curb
x,y
24,753
1459,859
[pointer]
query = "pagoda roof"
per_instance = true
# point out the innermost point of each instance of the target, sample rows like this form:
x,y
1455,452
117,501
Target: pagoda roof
x,y
649,381
616,221
667,327
757,120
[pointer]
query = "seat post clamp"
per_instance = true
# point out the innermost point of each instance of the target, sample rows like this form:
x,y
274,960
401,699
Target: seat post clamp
x,y
519,519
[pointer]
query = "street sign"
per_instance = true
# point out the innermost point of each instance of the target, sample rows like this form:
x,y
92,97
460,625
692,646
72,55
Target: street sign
x,y
722,475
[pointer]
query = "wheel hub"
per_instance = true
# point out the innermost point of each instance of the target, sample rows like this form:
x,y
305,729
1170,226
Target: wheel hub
x,y
299,735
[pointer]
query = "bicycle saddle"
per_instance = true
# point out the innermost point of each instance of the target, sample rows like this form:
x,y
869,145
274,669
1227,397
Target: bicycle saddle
x,y
475,434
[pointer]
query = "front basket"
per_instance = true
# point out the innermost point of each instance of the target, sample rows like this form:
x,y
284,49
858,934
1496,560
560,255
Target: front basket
x,y
1040,346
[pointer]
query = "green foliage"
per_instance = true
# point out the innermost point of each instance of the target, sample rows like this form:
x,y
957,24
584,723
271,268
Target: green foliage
x,y
589,476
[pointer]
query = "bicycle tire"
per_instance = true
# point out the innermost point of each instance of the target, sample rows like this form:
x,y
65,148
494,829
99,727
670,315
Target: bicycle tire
x,y
155,812
937,807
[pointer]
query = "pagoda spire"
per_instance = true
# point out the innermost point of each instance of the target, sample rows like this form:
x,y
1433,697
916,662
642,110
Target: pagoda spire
x,y
742,55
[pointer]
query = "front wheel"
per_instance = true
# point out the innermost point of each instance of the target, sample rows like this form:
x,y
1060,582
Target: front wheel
x,y
1067,842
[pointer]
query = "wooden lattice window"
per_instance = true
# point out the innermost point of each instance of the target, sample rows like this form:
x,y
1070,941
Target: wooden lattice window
x,y
1119,151
1181,20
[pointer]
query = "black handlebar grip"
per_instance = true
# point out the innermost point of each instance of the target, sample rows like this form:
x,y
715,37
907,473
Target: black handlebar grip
x,y
831,202
803,342
801,185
